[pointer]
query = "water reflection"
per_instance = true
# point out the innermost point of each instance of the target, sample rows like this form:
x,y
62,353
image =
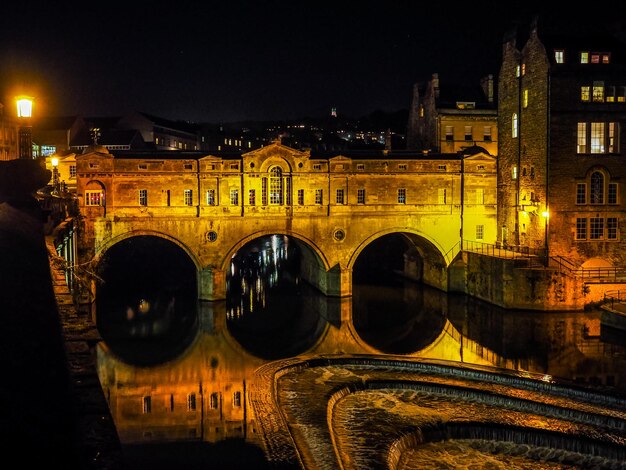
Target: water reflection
x,y
201,395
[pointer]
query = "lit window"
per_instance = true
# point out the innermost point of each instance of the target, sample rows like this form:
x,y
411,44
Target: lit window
x,y
597,137
340,197
401,196
525,98
319,193
480,232
487,133
581,228
449,133
514,124
234,197
595,58
143,197
514,173
468,132
360,196
301,197
94,198
523,69
581,193
585,94
598,92
606,58
191,402
612,136
609,94
188,197
517,71
251,197
72,171
596,228
559,57
441,196
276,185
581,146
210,197
584,57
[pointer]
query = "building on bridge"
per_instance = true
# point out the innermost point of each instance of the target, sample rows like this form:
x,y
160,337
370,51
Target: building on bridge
x,y
332,205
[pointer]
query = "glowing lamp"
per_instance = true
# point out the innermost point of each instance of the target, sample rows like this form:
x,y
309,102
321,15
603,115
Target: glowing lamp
x,y
24,106
546,214
54,161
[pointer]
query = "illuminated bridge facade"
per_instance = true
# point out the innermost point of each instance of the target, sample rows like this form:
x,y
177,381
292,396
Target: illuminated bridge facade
x,y
332,206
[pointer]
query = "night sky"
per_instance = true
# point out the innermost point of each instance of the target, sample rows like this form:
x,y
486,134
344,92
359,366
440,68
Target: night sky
x,y
236,60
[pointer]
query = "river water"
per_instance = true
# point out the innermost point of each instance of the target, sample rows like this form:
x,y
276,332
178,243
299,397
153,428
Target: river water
x,y
177,372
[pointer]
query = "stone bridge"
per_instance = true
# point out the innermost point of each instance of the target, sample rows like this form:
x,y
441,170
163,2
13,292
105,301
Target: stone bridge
x,y
332,206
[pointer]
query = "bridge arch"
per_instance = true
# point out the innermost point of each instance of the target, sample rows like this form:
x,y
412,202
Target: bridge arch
x,y
434,261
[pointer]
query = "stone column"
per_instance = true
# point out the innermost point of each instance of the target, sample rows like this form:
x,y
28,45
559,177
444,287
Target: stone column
x,y
212,284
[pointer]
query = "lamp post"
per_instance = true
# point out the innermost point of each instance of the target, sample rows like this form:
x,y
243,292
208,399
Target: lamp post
x,y
24,113
546,218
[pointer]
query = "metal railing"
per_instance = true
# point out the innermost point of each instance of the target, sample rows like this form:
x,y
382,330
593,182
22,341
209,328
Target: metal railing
x,y
503,251
612,297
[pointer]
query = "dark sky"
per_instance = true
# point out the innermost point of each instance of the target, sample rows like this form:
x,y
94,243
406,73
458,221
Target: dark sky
x,y
224,61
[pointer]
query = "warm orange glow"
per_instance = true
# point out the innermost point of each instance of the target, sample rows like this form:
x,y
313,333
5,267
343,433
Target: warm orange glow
x,y
546,214
54,161
24,106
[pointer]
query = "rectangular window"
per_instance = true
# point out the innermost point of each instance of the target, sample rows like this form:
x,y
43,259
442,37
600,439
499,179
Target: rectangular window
x,y
449,133
596,228
251,197
143,197
518,70
147,404
72,172
480,196
301,197
94,198
612,137
402,166
188,197
487,133
210,197
234,166
214,401
401,196
585,94
188,166
611,228
468,132
234,197
597,137
288,191
441,196
612,196
319,196
317,167
168,197
480,232
340,198
581,228
597,94
514,126
584,57
559,56
360,166
606,58
514,173
609,94
360,196
581,193
191,402
441,168
525,98
264,191
237,399
581,146
595,58
620,94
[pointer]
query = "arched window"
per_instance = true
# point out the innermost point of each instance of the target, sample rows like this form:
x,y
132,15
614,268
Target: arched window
x,y
597,188
514,125
276,185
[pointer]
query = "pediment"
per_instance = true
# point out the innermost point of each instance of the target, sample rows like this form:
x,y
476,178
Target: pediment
x,y
276,149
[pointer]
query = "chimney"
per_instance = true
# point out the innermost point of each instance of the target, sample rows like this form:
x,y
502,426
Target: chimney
x,y
487,85
435,81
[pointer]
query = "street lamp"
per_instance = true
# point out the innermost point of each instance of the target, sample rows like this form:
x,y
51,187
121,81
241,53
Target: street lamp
x,y
24,113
